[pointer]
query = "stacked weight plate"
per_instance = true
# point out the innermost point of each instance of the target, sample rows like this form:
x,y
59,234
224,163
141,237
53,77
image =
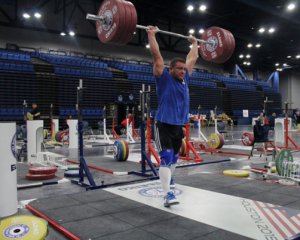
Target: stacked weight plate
x,y
41,173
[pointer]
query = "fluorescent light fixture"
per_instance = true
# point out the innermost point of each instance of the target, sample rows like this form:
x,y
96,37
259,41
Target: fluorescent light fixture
x,y
201,30
62,34
37,15
261,30
271,30
191,31
289,56
148,46
250,45
202,8
258,45
298,56
241,56
26,15
279,69
245,63
248,56
291,6
276,64
285,65
191,46
190,8
248,63
71,33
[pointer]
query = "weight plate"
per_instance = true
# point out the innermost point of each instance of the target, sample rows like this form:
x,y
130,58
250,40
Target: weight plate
x,y
214,141
36,177
236,173
23,227
127,150
118,150
42,170
221,140
283,157
113,13
219,51
126,24
117,39
247,138
133,22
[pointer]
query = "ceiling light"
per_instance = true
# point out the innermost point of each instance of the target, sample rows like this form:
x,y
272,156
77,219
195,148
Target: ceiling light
x,y
250,45
202,8
148,46
191,31
258,45
279,69
37,15
62,34
298,56
245,63
248,63
285,65
261,30
201,30
271,30
26,15
191,46
248,56
71,33
276,64
291,7
134,33
190,8
241,56
289,56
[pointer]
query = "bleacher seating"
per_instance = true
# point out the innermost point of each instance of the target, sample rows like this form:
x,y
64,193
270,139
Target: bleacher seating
x,y
59,78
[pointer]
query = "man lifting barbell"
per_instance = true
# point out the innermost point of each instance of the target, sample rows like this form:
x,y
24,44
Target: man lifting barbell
x,y
173,108
116,23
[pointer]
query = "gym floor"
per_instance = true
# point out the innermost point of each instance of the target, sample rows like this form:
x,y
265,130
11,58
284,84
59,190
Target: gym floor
x,y
212,206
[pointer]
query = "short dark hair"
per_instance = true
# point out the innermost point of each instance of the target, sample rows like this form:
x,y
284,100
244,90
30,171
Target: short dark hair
x,y
175,60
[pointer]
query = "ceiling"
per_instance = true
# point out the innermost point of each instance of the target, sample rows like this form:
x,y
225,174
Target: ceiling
x,y
241,17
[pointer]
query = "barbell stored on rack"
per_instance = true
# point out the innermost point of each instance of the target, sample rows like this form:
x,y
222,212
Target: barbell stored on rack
x,y
116,23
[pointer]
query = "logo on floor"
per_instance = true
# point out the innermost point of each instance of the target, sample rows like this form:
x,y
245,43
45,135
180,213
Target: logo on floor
x,y
156,192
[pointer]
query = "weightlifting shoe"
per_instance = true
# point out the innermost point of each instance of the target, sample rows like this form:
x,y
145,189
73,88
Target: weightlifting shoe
x,y
170,199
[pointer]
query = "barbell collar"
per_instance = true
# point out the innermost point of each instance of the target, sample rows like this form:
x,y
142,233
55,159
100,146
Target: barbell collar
x,y
102,20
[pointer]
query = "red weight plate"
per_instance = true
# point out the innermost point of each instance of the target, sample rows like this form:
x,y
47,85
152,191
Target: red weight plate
x,y
40,176
214,53
227,46
231,44
42,170
247,139
133,22
226,42
117,39
108,32
126,24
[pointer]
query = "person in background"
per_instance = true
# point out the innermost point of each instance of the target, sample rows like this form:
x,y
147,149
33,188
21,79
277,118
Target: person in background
x,y
272,121
173,109
123,124
35,113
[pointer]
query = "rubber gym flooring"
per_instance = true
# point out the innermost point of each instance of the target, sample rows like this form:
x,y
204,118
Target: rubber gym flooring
x,y
213,206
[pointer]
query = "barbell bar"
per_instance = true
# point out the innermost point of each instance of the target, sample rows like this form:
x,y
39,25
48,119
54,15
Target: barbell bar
x,y
104,21
116,23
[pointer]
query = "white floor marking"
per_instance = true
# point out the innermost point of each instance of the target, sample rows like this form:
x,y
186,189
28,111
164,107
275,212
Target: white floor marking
x,y
243,216
238,147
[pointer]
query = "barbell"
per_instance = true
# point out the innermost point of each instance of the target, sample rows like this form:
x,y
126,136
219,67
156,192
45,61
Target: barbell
x,y
116,23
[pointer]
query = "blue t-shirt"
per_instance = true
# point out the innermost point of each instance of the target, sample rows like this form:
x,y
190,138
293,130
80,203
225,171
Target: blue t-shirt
x,y
173,99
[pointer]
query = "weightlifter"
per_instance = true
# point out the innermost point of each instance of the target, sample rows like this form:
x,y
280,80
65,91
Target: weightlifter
x,y
173,109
